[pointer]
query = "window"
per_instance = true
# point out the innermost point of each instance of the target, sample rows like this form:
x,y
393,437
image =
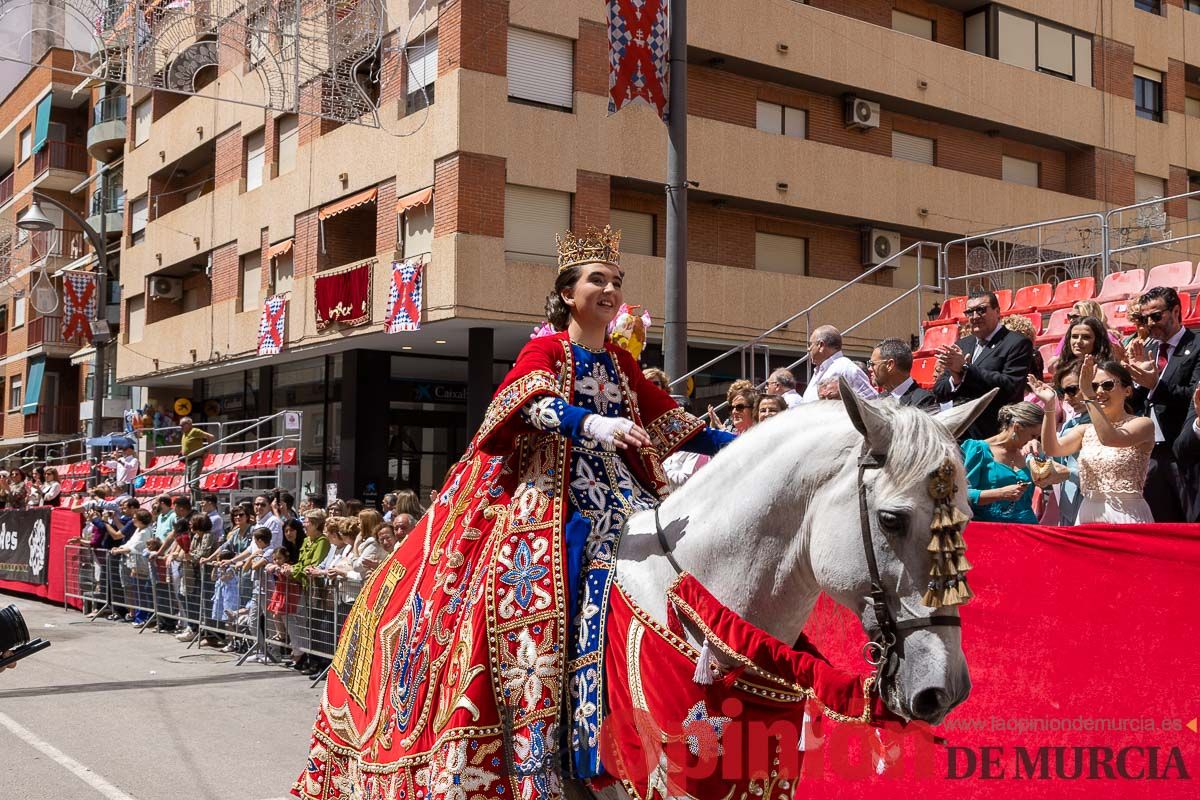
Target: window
x,y
138,216
774,253
14,395
1192,5
251,274
1191,106
1020,170
637,231
142,116
913,267
1193,203
912,148
1153,6
1147,187
531,219
3,318
417,226
1147,93
287,128
255,149
26,144
422,56
18,310
912,25
135,325
541,68
1031,43
774,118
283,272
257,39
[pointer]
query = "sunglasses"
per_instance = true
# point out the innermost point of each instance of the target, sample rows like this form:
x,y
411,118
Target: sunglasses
x,y
1136,319
740,407
1107,385
1154,316
976,311
1069,391
1073,318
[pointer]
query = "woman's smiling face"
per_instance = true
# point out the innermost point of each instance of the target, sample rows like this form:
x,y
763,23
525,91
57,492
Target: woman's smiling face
x,y
596,295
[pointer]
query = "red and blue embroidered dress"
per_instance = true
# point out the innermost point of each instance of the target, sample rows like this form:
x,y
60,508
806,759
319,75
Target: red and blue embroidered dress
x,y
449,677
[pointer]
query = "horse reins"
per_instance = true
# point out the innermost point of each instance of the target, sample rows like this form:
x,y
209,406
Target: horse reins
x,y
884,650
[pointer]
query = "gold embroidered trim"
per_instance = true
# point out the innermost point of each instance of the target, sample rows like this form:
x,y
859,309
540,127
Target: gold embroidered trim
x,y
516,395
671,429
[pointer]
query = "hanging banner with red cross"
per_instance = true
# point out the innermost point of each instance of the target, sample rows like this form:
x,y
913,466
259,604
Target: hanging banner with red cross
x,y
79,305
638,46
272,325
404,297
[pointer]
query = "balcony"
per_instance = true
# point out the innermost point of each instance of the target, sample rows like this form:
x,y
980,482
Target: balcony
x,y
106,137
6,188
47,332
60,165
61,243
52,421
114,208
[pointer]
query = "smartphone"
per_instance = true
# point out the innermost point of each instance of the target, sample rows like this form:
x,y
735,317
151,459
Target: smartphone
x,y
27,649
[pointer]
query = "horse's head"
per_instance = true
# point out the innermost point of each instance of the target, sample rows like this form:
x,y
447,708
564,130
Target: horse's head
x,y
903,447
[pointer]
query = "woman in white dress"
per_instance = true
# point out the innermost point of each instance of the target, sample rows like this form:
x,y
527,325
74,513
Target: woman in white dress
x,y
1114,449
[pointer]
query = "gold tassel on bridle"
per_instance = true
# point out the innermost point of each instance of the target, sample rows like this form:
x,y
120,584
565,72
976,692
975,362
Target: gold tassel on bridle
x,y
947,550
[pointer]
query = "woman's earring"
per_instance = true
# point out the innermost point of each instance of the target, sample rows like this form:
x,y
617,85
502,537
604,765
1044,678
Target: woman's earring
x,y
1012,437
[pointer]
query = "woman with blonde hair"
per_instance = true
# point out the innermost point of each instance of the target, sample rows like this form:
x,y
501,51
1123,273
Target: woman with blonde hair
x,y
999,481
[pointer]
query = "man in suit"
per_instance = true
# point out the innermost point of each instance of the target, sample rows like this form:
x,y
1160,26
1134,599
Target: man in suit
x,y
1187,455
992,357
1166,380
891,372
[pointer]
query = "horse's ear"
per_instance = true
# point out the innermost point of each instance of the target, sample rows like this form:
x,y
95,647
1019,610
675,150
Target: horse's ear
x,y
959,418
867,419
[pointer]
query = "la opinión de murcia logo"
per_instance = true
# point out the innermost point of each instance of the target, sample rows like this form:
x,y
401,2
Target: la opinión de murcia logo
x,y
37,548
1133,763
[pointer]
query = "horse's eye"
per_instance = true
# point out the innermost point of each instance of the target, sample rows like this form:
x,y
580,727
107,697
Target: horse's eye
x,y
893,522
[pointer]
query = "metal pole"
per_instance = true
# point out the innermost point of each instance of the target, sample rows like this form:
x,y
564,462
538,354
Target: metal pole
x,y
101,313
675,287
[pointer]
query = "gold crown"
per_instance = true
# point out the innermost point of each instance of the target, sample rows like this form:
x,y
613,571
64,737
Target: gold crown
x,y
602,246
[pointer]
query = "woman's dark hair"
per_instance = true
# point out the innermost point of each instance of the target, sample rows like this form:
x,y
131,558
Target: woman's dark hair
x,y
1068,368
293,546
201,522
294,525
1118,371
558,314
1101,350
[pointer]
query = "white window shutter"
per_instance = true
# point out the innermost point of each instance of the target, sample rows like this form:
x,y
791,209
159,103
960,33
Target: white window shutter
x,y
418,230
1020,170
255,151
532,217
912,25
795,122
422,58
770,117
139,214
637,231
912,148
136,309
774,253
142,114
289,138
541,68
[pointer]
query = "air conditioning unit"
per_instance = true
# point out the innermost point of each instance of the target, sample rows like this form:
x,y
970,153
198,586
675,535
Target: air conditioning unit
x,y
163,288
878,246
862,114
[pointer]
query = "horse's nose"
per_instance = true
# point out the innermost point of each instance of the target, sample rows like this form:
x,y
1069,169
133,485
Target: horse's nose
x,y
931,705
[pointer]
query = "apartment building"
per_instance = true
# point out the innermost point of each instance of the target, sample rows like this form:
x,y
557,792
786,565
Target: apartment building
x,y
52,129
822,135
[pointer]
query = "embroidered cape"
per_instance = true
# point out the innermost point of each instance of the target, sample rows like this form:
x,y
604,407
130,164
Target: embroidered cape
x,y
449,674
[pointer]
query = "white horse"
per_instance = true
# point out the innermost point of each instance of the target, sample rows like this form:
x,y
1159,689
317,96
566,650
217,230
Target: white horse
x,y
773,521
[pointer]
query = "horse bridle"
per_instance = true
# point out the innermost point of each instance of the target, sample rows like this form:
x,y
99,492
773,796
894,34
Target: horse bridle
x,y
884,650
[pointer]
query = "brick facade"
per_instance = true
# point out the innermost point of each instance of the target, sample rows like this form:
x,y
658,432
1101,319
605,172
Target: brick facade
x,y
592,200
305,245
473,34
591,58
226,275
947,23
386,236
229,161
1112,67
469,188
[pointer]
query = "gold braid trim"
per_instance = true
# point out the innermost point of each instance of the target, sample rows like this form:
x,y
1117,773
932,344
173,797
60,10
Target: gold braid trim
x,y
516,395
671,429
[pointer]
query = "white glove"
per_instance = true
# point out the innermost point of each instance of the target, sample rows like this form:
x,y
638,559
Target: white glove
x,y
606,430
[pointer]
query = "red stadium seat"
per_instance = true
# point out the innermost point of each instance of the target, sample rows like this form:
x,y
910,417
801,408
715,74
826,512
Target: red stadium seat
x,y
229,480
1031,298
1056,328
290,457
1005,298
1191,318
923,370
1035,319
1177,275
1120,285
1068,293
939,336
952,309
1049,352
1115,312
1193,284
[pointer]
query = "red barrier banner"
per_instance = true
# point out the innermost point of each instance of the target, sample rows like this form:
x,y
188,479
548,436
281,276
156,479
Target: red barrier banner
x,y
1081,644
64,525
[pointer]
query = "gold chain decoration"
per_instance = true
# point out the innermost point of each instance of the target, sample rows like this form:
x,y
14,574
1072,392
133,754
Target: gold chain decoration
x,y
948,573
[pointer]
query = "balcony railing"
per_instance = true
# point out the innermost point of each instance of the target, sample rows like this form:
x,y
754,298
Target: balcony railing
x,y
60,155
58,243
115,203
6,188
53,420
110,109
48,331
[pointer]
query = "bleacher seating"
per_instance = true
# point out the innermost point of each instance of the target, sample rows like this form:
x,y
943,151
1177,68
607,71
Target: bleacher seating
x,y
952,311
1031,298
1121,285
1049,352
1068,293
939,336
923,370
1056,328
1005,298
1177,276
1116,312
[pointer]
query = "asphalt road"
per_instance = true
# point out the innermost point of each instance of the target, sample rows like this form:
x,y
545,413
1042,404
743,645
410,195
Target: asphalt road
x,y
108,713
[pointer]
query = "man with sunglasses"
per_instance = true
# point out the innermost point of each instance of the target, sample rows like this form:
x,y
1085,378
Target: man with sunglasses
x,y
891,370
1166,379
1187,452
992,357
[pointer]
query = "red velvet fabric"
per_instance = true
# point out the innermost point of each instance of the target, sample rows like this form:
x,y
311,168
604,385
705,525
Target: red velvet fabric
x,y
343,297
1091,627
64,525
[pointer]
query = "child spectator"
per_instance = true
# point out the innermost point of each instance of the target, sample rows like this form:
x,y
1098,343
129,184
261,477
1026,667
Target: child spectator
x,y
285,597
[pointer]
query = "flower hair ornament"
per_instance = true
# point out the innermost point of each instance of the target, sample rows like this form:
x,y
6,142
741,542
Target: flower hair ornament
x,y
947,550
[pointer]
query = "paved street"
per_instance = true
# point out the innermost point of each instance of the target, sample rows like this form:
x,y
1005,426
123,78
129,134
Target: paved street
x,y
108,713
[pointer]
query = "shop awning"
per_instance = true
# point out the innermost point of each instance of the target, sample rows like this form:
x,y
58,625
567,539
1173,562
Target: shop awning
x,y
282,248
84,355
33,387
347,203
41,123
413,200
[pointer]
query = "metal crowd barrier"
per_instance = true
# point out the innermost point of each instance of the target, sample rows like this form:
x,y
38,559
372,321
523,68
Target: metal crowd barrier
x,y
268,615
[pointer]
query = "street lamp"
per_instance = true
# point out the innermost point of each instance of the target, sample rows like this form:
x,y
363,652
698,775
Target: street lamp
x,y
33,219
